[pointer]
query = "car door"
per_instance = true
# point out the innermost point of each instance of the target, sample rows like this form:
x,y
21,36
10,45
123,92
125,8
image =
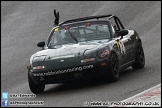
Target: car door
x,y
127,49
125,44
129,39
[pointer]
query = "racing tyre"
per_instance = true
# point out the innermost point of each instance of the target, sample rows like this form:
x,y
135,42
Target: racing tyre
x,y
113,68
34,87
139,59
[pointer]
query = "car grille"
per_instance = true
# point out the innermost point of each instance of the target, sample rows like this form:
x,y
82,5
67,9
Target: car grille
x,y
65,76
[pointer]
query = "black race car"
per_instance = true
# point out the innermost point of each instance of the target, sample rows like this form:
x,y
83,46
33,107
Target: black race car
x,y
88,46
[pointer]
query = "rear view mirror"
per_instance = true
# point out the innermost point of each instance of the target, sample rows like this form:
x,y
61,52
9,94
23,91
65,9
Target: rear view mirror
x,y
123,33
41,44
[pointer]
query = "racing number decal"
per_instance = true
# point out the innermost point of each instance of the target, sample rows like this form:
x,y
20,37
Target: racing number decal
x,y
121,46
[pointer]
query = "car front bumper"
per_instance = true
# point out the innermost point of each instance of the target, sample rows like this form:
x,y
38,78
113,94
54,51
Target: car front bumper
x,y
42,77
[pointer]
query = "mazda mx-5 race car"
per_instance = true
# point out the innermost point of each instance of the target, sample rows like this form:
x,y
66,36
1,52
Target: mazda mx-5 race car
x,y
88,46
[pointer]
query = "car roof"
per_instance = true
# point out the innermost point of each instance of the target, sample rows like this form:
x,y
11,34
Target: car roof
x,y
90,21
73,21
86,18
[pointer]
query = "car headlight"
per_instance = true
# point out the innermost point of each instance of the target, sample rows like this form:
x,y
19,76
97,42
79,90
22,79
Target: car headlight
x,y
104,54
38,67
87,60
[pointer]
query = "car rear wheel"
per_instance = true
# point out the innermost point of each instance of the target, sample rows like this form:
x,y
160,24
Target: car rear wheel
x,y
139,59
34,87
113,68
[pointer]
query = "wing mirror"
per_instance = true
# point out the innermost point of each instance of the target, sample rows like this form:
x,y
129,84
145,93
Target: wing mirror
x,y
41,44
123,33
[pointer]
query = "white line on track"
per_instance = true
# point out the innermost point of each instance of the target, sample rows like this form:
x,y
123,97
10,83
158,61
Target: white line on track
x,y
150,89
148,98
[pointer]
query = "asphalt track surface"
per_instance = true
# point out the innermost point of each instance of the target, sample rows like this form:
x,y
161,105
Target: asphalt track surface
x,y
24,23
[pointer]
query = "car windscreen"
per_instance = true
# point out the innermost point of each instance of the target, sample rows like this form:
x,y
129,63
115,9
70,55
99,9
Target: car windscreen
x,y
60,37
93,32
82,33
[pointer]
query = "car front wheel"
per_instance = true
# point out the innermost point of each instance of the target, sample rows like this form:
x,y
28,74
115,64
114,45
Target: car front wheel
x,y
113,68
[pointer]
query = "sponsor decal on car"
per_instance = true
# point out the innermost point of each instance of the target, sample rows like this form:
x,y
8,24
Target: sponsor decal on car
x,y
56,29
64,71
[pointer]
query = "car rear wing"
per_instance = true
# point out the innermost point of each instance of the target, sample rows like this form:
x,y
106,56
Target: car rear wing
x,y
117,20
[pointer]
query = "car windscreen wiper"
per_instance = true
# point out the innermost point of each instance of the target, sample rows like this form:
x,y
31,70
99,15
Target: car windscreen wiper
x,y
72,35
